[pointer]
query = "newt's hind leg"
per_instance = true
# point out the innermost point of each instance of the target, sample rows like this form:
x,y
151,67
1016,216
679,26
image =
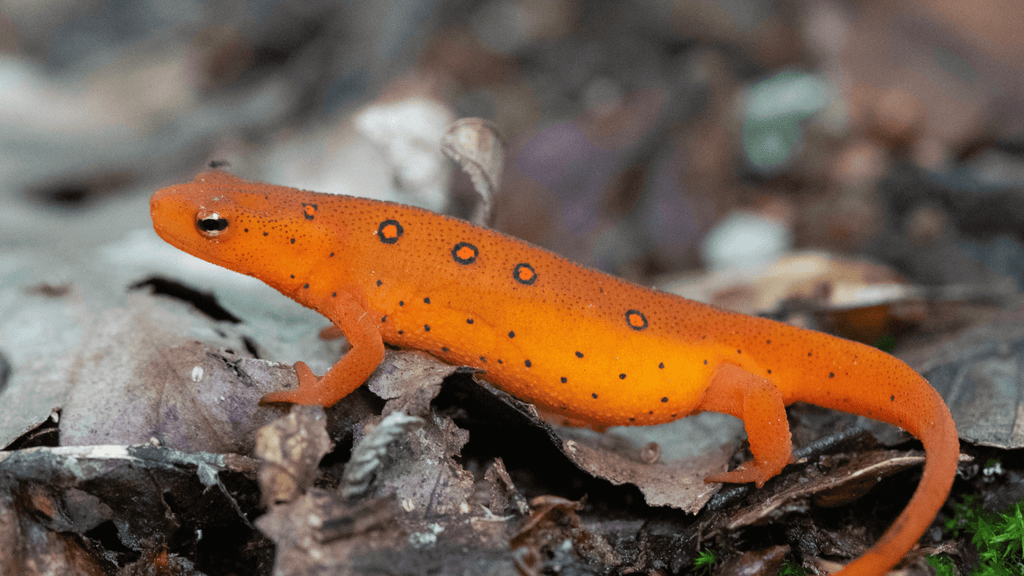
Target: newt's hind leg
x,y
759,404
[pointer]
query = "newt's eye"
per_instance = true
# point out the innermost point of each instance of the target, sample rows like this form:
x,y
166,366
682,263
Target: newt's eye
x,y
210,224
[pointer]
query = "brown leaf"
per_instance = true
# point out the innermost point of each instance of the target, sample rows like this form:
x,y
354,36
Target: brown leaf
x,y
290,449
475,145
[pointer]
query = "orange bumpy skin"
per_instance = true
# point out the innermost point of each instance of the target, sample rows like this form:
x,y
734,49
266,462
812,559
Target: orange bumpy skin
x,y
576,342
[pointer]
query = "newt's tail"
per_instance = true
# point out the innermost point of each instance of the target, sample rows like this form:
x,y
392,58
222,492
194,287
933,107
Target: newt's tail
x,y
942,449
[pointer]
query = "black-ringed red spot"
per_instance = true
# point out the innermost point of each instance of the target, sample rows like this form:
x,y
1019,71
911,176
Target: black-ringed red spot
x,y
390,231
636,320
465,253
308,211
524,274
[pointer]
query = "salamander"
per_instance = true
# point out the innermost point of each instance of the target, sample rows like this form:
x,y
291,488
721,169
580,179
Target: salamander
x,y
575,342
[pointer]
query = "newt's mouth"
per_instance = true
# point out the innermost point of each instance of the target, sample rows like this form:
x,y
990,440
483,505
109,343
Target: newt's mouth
x,y
169,214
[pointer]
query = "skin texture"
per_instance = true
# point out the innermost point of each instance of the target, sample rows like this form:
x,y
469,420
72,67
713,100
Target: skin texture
x,y
578,343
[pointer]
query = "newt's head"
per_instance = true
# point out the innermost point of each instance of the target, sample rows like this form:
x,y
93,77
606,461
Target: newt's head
x,y
256,229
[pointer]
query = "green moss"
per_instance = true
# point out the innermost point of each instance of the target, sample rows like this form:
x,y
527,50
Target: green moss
x,y
997,536
705,561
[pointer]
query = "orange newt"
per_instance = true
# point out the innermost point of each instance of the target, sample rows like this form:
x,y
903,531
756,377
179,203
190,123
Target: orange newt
x,y
575,342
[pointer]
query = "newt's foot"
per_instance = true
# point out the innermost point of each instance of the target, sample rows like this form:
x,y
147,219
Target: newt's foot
x,y
331,333
308,392
753,471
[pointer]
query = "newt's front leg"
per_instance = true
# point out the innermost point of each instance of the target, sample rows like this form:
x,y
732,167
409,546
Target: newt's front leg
x,y
356,323
759,404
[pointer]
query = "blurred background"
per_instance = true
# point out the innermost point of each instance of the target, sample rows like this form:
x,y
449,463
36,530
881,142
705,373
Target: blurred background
x,y
855,166
644,137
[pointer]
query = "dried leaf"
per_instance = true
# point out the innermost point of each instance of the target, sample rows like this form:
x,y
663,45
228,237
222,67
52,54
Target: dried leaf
x,y
290,449
474,144
691,448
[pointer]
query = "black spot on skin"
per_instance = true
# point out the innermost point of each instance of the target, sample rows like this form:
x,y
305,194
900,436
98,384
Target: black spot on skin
x,y
332,255
892,398
831,374
401,303
293,240
769,370
245,229
739,351
809,354
444,349
379,282
483,359
705,362
622,376
664,399
564,379
334,294
511,334
308,210
293,276
384,319
661,365
426,327
469,320
500,362
579,354
528,364
400,332
266,234
769,341
632,419
594,395
651,413
426,300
